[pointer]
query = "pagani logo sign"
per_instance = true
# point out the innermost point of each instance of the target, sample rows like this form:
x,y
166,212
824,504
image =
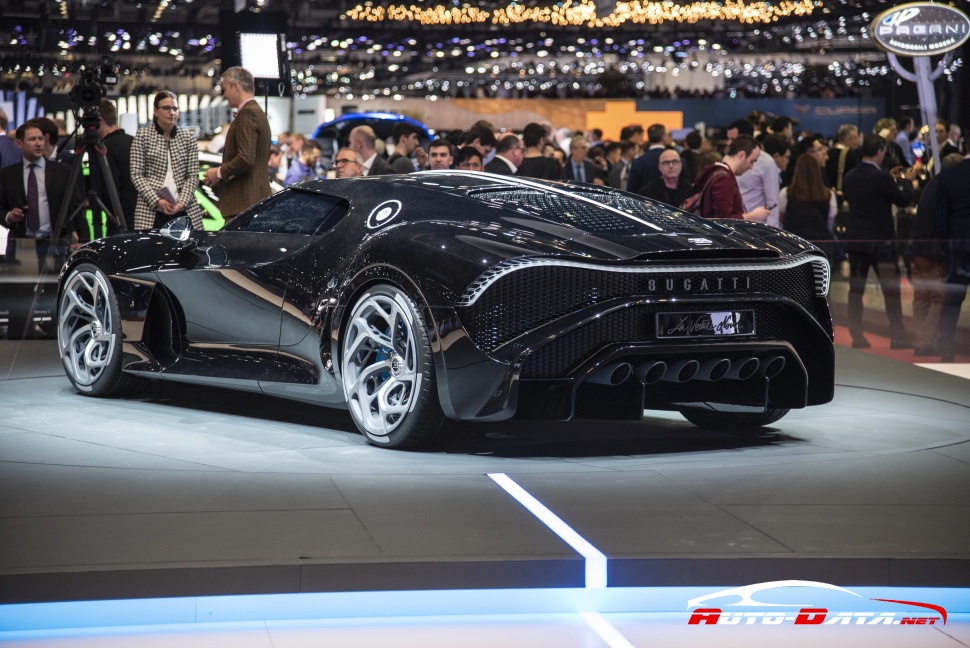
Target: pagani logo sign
x,y
787,603
920,29
698,285
383,214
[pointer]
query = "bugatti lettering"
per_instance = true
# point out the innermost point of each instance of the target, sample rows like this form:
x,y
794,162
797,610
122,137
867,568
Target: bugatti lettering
x,y
703,285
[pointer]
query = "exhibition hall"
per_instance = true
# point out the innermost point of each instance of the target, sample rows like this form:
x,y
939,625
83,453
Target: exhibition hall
x,y
529,323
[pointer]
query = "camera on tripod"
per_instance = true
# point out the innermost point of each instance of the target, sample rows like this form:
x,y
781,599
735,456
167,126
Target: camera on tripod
x,y
92,87
87,94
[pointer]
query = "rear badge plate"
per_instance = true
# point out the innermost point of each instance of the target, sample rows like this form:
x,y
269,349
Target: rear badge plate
x,y
704,324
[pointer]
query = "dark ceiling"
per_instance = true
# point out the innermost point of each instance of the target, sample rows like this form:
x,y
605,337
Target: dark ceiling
x,y
187,37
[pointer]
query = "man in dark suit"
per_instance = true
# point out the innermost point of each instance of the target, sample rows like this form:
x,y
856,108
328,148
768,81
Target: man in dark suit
x,y
952,142
926,252
871,194
508,156
953,226
843,157
646,168
31,196
578,169
619,176
691,155
364,141
9,153
241,177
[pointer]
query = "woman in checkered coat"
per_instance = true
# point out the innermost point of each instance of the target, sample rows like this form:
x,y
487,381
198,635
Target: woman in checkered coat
x,y
165,168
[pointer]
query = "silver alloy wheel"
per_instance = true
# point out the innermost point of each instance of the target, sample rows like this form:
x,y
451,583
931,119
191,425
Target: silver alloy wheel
x,y
85,330
380,372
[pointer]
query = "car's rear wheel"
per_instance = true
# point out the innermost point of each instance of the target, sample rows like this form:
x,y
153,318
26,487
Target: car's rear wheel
x,y
388,371
731,420
89,334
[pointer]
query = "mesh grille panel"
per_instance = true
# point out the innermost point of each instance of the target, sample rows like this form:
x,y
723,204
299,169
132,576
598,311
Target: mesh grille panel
x,y
566,353
522,300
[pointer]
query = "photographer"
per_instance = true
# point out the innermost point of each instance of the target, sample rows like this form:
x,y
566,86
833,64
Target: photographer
x,y
117,144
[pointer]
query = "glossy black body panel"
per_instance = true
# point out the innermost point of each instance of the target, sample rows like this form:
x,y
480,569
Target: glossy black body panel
x,y
528,289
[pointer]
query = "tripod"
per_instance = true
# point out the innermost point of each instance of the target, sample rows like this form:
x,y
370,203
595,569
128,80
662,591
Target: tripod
x,y
91,141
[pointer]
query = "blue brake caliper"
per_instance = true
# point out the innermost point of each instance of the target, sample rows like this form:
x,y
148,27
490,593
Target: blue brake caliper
x,y
383,354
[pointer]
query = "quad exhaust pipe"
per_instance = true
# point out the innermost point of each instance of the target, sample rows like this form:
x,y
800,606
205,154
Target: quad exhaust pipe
x,y
714,370
613,374
681,371
651,372
774,366
743,369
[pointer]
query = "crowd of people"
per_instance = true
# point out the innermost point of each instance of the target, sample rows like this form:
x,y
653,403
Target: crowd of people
x,y
852,195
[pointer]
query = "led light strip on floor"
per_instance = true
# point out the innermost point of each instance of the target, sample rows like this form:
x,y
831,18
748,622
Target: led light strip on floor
x,y
595,559
218,613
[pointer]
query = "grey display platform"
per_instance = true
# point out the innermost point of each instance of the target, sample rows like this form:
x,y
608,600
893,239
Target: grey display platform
x,y
191,492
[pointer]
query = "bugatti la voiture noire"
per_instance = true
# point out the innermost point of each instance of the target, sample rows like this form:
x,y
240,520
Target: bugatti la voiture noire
x,y
417,299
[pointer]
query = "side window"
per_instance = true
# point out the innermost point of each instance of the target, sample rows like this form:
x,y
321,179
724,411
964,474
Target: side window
x,y
292,212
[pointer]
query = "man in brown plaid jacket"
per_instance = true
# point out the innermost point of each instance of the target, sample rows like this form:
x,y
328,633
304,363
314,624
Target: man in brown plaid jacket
x,y
241,179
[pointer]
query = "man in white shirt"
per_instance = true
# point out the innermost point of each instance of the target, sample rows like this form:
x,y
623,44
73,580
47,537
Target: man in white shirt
x,y
760,186
905,141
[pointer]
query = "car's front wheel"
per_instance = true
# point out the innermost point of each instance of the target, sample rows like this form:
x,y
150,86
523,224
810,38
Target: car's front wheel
x,y
732,420
89,334
388,371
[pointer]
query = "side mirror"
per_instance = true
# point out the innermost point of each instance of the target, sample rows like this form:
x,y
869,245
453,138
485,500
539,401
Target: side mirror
x,y
178,229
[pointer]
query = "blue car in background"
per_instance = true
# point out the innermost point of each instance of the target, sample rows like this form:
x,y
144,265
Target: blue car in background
x,y
335,134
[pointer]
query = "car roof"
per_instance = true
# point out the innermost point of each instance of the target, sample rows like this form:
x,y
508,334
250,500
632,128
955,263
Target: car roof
x,y
379,121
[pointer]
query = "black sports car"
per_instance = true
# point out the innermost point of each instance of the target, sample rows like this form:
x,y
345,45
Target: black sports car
x,y
466,296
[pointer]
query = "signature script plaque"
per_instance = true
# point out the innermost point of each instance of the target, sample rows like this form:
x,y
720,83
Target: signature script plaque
x,y
705,324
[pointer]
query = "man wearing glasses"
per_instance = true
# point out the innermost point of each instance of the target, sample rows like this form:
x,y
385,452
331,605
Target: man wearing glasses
x,y
671,187
241,179
348,163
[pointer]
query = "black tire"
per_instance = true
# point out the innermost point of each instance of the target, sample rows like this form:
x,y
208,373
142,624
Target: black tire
x,y
731,420
387,371
89,336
